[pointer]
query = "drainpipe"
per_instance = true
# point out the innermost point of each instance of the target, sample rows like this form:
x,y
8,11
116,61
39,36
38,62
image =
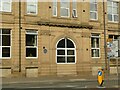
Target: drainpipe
x,y
119,47
105,47
119,33
20,35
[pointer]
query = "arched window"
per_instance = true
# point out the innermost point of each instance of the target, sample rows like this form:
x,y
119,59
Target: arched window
x,y
65,51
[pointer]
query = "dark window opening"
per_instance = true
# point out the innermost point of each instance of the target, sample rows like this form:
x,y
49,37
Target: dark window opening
x,y
5,40
61,52
70,44
70,59
31,40
5,31
61,59
111,36
31,52
70,52
61,44
5,52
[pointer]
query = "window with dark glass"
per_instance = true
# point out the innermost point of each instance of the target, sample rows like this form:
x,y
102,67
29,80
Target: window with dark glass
x,y
5,43
113,37
65,51
31,43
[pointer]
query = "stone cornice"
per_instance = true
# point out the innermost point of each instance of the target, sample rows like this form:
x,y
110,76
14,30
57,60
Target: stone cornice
x,y
68,25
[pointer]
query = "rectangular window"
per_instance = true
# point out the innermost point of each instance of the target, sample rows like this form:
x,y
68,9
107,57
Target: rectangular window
x,y
95,45
5,43
93,10
64,8
113,37
5,5
31,43
74,10
32,6
112,9
54,7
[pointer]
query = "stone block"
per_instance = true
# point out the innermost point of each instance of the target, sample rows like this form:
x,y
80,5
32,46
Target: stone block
x,y
66,69
5,72
31,72
113,70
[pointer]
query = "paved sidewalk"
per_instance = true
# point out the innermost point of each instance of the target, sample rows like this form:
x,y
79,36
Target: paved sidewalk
x,y
54,79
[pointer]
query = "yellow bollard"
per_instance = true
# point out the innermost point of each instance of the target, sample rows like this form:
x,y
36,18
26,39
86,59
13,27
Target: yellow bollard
x,y
100,77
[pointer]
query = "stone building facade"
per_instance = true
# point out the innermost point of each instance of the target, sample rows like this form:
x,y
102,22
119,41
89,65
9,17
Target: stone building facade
x,y
55,37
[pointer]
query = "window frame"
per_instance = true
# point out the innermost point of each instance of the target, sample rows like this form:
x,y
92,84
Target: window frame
x,y
66,54
74,8
95,48
112,6
2,1
96,12
33,4
54,7
36,33
5,46
73,15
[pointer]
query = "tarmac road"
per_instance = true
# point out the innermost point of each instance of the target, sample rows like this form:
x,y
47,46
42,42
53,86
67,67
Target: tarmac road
x,y
61,84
